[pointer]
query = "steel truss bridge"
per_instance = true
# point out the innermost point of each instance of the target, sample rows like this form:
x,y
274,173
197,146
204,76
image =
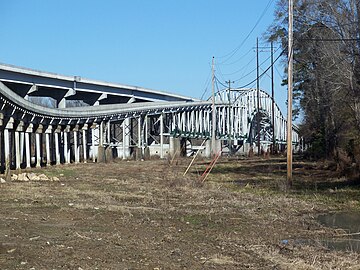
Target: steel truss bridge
x,y
47,118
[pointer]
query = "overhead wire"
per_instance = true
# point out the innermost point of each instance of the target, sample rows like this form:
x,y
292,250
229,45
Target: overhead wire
x,y
266,70
233,52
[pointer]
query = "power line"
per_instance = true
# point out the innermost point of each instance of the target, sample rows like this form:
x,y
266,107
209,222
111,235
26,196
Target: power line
x,y
233,52
328,39
260,65
266,70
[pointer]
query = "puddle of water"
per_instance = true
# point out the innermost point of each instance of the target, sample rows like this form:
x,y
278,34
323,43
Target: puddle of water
x,y
347,221
346,245
349,225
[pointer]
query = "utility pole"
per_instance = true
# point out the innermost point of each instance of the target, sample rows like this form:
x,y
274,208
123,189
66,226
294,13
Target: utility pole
x,y
213,115
258,96
273,98
230,118
290,89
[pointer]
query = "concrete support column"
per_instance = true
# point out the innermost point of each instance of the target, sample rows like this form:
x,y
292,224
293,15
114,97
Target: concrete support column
x,y
94,153
47,145
38,145
66,145
208,149
161,119
9,126
101,149
146,137
57,146
7,148
22,148
174,146
108,134
84,143
20,128
28,131
38,148
139,132
76,145
123,138
101,134
17,150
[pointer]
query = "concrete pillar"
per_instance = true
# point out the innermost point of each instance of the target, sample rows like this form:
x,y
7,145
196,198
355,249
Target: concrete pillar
x,y
101,149
9,126
66,146
126,137
27,147
161,118
123,139
139,132
93,150
7,148
57,146
38,148
47,144
174,146
208,148
76,145
22,148
18,145
38,145
108,134
84,129
17,150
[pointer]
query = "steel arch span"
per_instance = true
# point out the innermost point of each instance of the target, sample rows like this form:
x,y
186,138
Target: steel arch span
x,y
244,109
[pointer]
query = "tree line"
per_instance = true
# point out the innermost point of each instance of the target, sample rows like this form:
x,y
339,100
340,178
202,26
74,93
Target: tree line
x,y
326,74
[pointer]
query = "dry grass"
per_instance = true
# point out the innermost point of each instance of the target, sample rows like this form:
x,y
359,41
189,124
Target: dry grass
x,y
146,215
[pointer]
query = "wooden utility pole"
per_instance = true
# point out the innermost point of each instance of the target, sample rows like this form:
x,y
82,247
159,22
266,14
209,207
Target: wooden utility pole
x,y
290,90
258,96
213,115
230,122
273,99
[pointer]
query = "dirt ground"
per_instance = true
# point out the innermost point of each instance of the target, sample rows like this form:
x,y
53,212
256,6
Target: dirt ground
x,y
147,215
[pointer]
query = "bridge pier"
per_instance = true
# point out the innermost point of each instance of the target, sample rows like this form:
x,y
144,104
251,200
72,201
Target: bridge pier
x,y
7,148
76,145
48,133
38,145
57,146
174,147
84,143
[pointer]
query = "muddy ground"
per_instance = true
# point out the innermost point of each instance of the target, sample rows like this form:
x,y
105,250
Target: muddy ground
x,y
147,215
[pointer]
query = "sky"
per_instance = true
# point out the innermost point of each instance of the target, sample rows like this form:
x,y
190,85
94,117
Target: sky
x,y
164,45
